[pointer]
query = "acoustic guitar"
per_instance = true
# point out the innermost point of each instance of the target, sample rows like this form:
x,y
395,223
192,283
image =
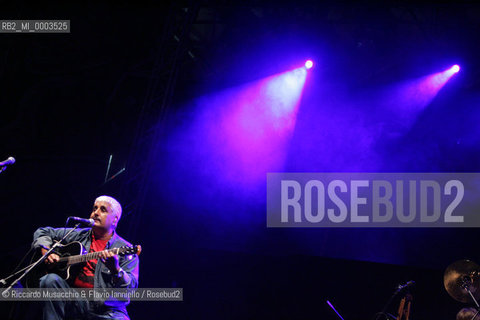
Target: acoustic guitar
x,y
71,256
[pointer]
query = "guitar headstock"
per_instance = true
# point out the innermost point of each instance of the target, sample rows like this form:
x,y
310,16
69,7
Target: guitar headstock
x,y
129,250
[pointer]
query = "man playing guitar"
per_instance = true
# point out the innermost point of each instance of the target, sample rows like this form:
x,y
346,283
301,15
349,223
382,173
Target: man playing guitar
x,y
109,271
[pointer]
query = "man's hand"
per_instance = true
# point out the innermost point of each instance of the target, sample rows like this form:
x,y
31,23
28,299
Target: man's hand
x,y
110,259
52,257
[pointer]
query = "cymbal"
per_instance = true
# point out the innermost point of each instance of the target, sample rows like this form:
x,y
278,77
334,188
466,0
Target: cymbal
x,y
460,275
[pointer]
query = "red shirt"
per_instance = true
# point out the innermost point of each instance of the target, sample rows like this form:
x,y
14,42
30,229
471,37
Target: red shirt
x,y
85,278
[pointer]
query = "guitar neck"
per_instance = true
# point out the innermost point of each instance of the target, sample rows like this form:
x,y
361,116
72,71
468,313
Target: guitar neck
x,y
86,257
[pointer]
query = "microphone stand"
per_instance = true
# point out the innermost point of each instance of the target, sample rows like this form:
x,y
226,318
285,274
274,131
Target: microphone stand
x,y
384,312
42,258
4,282
466,281
476,314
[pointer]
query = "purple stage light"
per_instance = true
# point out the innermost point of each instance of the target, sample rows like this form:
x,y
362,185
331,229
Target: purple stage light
x,y
451,71
309,64
412,96
242,133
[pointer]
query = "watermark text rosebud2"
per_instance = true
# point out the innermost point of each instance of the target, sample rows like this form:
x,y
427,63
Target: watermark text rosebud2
x,y
373,200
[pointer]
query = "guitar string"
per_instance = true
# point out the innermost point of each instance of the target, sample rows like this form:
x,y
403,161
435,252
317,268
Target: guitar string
x,y
90,256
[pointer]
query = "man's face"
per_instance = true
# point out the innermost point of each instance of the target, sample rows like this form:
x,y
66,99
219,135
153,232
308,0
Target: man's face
x,y
105,218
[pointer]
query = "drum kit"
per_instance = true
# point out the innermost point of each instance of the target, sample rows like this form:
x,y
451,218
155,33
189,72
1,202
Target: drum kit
x,y
462,282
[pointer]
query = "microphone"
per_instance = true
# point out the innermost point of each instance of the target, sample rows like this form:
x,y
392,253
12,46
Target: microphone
x,y
10,160
86,222
404,286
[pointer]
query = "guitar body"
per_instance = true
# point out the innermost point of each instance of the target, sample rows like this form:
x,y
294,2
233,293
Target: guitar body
x,y
62,268
72,258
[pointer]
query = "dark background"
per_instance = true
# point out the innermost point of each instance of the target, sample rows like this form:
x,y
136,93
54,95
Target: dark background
x,y
121,83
